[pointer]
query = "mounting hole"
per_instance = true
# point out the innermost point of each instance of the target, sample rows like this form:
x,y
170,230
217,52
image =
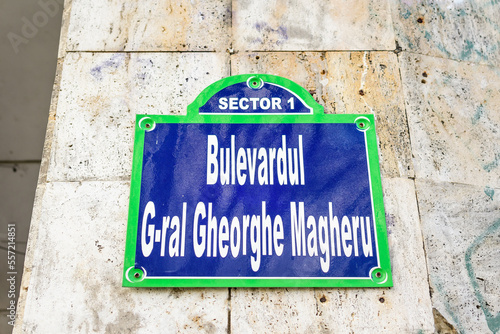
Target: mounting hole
x,y
362,123
255,82
135,275
378,275
147,124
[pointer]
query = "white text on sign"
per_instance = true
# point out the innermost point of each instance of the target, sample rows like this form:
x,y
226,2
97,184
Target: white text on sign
x,y
228,165
254,103
323,237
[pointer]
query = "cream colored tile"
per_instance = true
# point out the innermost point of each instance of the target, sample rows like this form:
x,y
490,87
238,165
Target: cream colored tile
x,y
100,95
461,228
453,118
369,82
463,30
149,25
75,284
305,68
289,25
272,310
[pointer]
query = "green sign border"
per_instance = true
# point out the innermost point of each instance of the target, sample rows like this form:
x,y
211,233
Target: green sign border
x,y
380,277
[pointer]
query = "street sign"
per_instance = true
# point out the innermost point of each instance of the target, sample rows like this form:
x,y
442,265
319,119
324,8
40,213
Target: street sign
x,y
256,187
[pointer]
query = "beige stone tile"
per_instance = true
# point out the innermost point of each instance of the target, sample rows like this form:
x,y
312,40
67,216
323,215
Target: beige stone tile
x,y
369,82
405,308
461,227
272,310
453,118
347,82
304,68
75,284
100,95
149,25
463,30
290,25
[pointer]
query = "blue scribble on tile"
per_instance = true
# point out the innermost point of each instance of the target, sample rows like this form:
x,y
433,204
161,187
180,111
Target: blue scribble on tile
x,y
494,24
479,113
259,26
281,32
481,55
493,321
407,14
461,12
390,220
443,49
257,41
490,192
443,295
492,165
427,36
115,62
493,47
467,50
408,42
145,64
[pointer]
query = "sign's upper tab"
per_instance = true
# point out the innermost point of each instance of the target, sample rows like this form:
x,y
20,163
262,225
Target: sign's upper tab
x,y
255,94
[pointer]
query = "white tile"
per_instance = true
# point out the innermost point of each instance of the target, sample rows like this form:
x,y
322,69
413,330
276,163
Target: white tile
x,y
304,25
272,310
466,30
75,284
453,117
149,25
100,95
369,82
307,69
461,227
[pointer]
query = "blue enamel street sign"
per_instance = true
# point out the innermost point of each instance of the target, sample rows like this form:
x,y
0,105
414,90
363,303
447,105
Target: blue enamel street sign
x,y
256,186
